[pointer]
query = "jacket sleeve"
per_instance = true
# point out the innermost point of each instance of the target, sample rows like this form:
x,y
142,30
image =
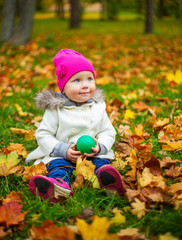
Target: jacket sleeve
x,y
107,133
46,132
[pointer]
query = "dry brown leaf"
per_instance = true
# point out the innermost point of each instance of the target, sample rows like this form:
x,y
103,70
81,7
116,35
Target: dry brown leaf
x,y
130,234
168,162
147,178
161,123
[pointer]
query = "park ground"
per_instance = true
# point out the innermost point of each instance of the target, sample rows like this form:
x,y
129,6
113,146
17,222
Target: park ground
x,y
141,76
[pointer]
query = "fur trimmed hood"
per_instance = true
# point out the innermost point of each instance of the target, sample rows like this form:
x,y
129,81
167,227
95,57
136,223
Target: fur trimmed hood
x,y
53,100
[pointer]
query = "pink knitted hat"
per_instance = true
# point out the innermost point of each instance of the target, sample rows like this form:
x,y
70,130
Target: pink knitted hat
x,y
68,62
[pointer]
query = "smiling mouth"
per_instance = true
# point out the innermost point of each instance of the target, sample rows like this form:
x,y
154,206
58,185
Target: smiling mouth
x,y
85,93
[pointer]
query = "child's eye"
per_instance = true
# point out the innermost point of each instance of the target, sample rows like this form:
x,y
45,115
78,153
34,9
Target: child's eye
x,y
76,80
89,79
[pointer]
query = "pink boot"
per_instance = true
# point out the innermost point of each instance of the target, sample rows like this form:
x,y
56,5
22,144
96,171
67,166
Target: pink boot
x,y
49,188
110,179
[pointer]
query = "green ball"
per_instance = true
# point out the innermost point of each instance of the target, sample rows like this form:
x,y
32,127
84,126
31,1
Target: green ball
x,y
85,144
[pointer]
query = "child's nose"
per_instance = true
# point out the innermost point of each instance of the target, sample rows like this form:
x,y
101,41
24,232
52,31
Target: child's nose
x,y
84,84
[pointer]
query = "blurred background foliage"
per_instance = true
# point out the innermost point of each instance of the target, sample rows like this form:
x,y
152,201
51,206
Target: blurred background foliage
x,y
17,16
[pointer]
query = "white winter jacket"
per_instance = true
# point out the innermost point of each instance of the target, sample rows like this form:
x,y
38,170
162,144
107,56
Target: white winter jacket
x,y
65,122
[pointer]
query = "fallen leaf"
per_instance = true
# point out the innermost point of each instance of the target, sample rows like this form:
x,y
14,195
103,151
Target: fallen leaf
x,y
168,162
147,178
118,218
29,134
10,214
48,230
13,197
8,163
4,233
175,77
29,172
140,106
98,229
172,146
130,234
20,112
18,148
129,114
167,236
133,163
86,169
138,208
161,123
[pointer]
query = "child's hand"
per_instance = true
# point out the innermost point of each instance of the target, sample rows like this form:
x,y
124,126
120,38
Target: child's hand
x,y
95,150
72,155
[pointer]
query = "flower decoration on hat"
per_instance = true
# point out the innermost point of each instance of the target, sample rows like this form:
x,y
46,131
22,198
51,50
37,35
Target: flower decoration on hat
x,y
61,71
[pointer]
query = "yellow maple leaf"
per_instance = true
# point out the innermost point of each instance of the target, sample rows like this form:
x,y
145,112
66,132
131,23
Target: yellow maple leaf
x,y
97,230
172,146
20,111
8,163
129,114
176,77
138,208
86,169
167,236
118,218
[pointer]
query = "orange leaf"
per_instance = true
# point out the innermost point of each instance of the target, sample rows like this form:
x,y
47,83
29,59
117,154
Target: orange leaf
x,y
13,197
29,134
140,107
39,169
10,214
18,148
133,163
50,231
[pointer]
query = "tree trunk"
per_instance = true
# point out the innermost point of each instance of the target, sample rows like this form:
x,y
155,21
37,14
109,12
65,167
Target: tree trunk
x,y
139,6
149,16
102,9
60,8
160,8
8,19
75,14
24,28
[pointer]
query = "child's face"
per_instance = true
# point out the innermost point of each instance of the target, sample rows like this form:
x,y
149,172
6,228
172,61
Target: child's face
x,y
80,87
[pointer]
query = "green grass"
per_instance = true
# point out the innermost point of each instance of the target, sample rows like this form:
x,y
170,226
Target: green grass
x,y
123,46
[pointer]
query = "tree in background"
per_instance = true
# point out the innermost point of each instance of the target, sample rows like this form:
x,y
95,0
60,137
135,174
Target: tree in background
x,y
60,8
149,16
20,34
75,13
